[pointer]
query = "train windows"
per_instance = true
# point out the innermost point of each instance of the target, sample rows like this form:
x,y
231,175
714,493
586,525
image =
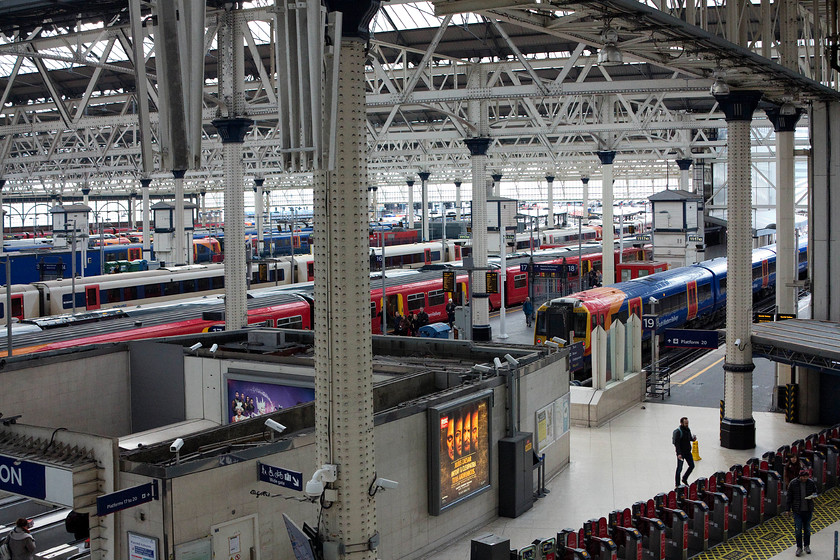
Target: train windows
x,y
188,286
129,293
203,284
520,281
704,292
437,297
217,282
722,285
295,322
171,288
373,312
152,290
415,301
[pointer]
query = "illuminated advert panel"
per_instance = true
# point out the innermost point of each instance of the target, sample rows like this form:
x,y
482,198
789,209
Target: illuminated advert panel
x,y
249,396
459,450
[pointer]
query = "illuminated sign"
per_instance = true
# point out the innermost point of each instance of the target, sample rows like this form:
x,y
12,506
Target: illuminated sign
x,y
459,451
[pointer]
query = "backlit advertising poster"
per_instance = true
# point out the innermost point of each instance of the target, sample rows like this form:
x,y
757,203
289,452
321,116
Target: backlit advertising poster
x,y
459,450
249,398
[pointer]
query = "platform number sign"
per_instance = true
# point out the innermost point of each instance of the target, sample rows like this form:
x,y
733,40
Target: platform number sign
x,y
448,280
650,322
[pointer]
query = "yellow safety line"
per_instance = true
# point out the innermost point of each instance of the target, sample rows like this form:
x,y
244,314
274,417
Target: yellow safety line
x,y
704,370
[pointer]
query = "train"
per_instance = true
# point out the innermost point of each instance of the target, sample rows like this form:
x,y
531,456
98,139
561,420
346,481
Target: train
x,y
406,291
686,297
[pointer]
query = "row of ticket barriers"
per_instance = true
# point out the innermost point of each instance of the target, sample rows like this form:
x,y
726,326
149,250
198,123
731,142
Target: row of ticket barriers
x,y
690,519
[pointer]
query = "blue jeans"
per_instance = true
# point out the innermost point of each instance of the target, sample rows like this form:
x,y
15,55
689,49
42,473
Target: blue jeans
x,y
802,519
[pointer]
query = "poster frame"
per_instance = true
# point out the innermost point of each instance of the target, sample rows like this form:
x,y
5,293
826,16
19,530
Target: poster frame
x,y
269,378
433,442
133,539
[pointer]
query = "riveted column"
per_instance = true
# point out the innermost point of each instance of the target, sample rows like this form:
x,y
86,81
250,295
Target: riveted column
x,y
3,184
685,178
409,214
607,232
497,184
145,183
480,304
203,206
458,200
343,353
179,247
424,197
258,213
738,426
550,180
585,200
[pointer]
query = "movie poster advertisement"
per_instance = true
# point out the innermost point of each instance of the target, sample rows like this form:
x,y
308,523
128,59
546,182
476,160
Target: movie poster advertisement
x,y
248,398
460,444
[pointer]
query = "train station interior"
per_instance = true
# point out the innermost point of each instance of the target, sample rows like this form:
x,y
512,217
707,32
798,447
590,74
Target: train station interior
x,y
335,279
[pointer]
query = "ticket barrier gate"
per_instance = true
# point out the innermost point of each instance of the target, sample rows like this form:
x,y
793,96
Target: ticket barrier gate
x,y
545,549
676,525
737,494
755,493
652,530
831,450
773,486
627,538
718,509
817,458
567,546
595,539
698,516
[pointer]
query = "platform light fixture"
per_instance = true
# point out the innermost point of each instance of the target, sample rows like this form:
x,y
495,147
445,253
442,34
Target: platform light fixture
x,y
609,55
719,86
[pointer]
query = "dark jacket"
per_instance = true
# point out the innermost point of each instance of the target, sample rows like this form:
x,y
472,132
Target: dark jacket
x,y
422,320
683,445
797,492
21,544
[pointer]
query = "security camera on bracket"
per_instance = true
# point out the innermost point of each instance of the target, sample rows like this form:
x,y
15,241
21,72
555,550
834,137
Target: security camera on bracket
x,y
315,487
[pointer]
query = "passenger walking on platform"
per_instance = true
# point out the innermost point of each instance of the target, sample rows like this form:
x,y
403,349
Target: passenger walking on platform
x,y
422,319
528,310
792,467
800,502
682,438
21,542
450,313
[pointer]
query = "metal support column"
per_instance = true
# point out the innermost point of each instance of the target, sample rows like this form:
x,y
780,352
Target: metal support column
x,y
179,249
424,197
479,303
738,426
607,231
258,213
685,178
343,353
585,200
497,184
550,223
145,183
409,212
458,200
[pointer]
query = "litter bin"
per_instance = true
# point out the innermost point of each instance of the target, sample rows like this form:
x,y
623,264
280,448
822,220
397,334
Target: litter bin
x,y
435,330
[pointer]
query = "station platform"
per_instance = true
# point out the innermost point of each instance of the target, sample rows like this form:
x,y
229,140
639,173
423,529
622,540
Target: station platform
x,y
631,458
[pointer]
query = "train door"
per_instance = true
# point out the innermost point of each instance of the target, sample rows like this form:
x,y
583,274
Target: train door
x,y
692,300
459,296
135,253
92,297
765,273
457,252
427,256
634,307
310,271
17,306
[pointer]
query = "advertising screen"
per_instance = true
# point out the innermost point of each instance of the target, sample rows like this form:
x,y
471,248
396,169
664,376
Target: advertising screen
x,y
249,398
459,450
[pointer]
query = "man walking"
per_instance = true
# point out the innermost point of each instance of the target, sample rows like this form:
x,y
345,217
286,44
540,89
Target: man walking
x,y
800,502
682,439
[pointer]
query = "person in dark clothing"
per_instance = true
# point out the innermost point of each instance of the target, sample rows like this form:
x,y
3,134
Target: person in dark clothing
x,y
792,467
450,313
800,503
682,439
422,320
412,324
21,542
528,310
592,278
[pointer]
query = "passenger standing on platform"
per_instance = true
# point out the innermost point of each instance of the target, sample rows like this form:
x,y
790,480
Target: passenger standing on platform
x,y
412,324
528,310
682,439
21,542
450,313
592,278
422,319
792,467
800,502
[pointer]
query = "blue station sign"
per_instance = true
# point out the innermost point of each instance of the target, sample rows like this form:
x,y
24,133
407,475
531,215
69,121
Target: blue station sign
x,y
281,477
124,499
576,357
686,338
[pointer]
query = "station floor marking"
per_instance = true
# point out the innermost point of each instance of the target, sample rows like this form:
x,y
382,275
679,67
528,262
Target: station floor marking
x,y
776,534
704,370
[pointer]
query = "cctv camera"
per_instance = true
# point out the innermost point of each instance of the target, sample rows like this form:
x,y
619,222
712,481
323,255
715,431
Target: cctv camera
x,y
314,489
511,360
652,300
195,346
497,362
276,426
176,445
214,348
737,342
551,344
384,483
482,368
558,340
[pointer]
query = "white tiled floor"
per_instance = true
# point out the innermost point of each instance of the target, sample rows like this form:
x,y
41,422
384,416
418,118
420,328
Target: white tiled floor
x,y
630,459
